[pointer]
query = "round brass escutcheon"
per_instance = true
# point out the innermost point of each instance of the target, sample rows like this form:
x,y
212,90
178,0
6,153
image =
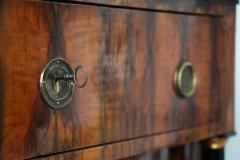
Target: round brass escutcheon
x,y
58,81
185,80
56,92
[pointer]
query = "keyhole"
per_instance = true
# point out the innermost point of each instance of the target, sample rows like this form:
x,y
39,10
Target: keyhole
x,y
57,86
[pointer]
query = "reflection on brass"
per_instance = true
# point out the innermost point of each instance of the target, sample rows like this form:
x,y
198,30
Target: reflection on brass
x,y
179,80
216,143
57,86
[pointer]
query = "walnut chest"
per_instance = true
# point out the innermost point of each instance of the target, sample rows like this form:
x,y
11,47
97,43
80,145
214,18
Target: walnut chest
x,y
113,79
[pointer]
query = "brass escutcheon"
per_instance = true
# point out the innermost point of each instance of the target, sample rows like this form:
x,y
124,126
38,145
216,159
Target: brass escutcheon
x,y
185,80
58,81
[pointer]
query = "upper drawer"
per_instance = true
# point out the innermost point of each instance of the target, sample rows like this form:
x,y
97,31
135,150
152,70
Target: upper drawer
x,y
213,7
131,57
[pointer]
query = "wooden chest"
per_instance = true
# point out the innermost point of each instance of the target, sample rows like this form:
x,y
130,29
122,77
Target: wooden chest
x,y
134,53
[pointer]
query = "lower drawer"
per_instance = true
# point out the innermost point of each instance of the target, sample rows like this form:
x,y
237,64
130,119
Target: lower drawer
x,y
131,57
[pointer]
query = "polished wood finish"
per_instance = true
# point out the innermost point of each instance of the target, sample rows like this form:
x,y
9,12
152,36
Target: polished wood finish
x,y
130,148
129,106
203,7
192,151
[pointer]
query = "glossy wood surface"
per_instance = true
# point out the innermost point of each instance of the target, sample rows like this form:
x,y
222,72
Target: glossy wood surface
x,y
192,151
133,147
129,106
204,7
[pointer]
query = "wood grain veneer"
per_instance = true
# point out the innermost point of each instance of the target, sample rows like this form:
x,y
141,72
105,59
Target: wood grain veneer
x,y
129,106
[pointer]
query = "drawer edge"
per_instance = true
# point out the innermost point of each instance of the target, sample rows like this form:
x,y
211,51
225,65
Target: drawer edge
x,y
140,145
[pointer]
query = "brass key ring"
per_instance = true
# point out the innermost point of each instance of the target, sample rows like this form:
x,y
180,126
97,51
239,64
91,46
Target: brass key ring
x,y
83,84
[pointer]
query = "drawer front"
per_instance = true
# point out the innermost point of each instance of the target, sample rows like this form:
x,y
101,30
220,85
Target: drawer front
x,y
131,57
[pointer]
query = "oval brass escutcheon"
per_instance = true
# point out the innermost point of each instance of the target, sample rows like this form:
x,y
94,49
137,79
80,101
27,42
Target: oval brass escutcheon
x,y
185,80
58,81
